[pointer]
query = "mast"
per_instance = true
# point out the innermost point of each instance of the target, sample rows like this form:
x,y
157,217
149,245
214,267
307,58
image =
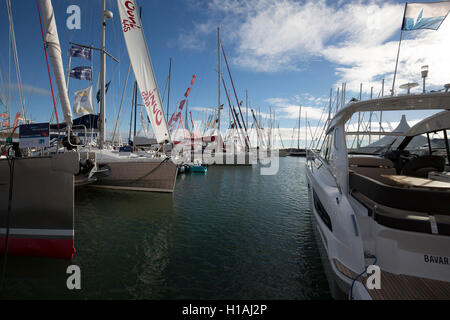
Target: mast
x,y
299,122
330,106
135,111
219,76
102,118
131,116
168,93
306,131
281,138
246,106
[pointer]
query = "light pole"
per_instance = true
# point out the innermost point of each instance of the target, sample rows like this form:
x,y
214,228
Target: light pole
x,y
424,75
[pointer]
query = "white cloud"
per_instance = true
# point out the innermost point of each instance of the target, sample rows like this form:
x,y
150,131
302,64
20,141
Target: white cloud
x,y
356,36
289,108
281,35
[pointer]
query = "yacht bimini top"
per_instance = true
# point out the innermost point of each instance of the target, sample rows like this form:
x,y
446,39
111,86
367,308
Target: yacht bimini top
x,y
428,101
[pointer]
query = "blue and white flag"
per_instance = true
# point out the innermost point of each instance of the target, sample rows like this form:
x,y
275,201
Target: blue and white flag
x,y
81,73
99,93
425,15
79,52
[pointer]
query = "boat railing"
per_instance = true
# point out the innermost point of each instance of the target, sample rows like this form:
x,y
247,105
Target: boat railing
x,y
69,131
312,155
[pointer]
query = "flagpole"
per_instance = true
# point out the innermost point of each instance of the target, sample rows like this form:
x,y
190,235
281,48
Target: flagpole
x,y
396,63
398,52
68,71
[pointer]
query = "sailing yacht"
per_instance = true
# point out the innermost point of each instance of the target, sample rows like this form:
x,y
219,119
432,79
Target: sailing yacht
x,y
298,152
113,169
39,190
388,208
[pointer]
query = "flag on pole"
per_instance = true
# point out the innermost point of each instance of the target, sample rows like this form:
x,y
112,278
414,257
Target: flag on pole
x,y
83,102
99,94
425,15
177,114
81,73
80,52
189,89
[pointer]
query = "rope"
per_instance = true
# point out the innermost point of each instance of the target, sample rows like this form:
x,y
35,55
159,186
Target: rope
x,y
16,59
154,169
147,174
350,295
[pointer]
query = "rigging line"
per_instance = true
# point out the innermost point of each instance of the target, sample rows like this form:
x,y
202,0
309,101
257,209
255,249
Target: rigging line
x,y
313,139
16,59
9,71
234,89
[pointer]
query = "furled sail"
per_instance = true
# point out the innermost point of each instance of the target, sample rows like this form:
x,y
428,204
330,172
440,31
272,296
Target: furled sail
x,y
142,67
54,51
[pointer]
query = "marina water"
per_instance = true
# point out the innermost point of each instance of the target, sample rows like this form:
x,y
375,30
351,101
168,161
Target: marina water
x,y
228,234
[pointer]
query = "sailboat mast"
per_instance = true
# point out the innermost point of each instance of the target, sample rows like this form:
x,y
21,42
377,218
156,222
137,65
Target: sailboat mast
x,y
306,131
246,106
219,77
135,111
168,93
132,109
299,122
102,118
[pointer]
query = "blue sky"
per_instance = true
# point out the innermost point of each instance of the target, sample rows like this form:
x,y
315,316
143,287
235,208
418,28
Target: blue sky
x,y
284,52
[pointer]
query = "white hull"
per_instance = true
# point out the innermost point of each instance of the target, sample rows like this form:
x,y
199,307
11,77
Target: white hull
x,y
367,210
135,172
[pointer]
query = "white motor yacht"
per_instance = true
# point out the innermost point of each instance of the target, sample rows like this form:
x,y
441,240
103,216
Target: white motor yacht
x,y
389,209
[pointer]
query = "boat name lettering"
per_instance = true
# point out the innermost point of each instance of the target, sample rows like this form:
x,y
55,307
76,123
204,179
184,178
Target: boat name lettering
x,y
436,259
149,101
130,23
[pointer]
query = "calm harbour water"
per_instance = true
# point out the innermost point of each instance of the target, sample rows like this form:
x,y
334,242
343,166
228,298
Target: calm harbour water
x,y
229,234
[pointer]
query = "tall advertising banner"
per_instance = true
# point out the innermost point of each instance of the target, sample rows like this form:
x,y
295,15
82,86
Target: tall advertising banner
x,y
142,67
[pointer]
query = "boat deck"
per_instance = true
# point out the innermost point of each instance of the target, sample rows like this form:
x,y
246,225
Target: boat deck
x,y
402,287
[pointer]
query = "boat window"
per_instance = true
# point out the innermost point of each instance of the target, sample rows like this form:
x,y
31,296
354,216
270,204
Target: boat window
x,y
327,147
335,139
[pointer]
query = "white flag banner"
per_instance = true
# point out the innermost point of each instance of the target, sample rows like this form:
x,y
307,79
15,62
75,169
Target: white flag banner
x,y
83,102
425,15
142,67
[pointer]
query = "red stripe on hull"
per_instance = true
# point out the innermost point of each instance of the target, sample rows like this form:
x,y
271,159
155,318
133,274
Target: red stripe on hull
x,y
49,248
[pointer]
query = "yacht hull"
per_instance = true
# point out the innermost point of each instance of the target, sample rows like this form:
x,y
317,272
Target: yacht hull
x,y
420,258
339,286
146,176
41,221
